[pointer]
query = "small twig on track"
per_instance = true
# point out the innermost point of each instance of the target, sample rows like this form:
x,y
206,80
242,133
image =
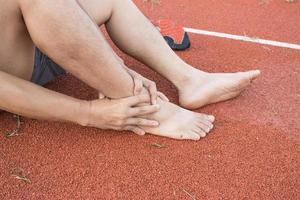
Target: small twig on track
x,y
18,173
290,1
188,193
157,145
153,1
16,131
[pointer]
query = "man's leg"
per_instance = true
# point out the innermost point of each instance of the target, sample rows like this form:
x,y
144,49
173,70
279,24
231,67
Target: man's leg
x,y
67,35
134,34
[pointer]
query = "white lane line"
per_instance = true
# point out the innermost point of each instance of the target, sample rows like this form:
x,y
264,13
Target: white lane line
x,y
244,38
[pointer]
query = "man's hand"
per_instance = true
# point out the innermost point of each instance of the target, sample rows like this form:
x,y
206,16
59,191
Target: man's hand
x,y
140,82
121,114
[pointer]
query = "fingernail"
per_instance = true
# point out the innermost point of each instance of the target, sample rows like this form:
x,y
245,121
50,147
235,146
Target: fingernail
x,y
155,123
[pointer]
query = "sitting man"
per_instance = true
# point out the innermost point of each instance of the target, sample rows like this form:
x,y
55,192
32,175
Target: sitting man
x,y
67,31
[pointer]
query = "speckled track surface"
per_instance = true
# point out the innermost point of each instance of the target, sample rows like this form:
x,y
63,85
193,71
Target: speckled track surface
x,y
253,153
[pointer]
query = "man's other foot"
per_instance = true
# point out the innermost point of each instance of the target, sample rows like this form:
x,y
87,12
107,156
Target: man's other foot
x,y
205,88
179,123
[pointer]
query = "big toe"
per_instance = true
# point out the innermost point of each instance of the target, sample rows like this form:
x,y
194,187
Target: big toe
x,y
253,74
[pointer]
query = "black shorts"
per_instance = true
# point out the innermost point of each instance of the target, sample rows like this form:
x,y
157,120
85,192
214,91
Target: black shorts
x,y
45,70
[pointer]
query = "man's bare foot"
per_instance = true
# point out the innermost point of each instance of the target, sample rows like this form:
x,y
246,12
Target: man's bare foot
x,y
206,88
179,123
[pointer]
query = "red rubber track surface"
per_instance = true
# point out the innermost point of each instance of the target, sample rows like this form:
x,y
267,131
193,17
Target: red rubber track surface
x,y
253,153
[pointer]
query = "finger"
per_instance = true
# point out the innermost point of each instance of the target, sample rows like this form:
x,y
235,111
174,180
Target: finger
x,y
144,110
162,96
153,92
135,129
141,122
134,100
138,85
101,95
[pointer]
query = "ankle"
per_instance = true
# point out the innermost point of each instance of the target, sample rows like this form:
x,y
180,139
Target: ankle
x,y
186,78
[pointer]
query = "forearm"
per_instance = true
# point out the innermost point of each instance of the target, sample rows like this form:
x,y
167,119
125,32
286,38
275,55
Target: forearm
x,y
27,99
66,33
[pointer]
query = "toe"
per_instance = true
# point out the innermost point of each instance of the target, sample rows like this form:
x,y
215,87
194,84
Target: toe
x,y
199,131
202,134
191,135
253,74
211,118
203,117
207,123
204,127
194,136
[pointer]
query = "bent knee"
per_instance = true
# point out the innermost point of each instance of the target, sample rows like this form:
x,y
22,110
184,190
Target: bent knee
x,y
99,11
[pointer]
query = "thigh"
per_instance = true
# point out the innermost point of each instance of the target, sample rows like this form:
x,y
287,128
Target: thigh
x,y
99,10
16,47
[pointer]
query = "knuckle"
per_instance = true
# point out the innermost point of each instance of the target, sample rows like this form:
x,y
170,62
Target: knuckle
x,y
155,108
123,115
153,84
127,112
139,121
143,110
148,123
139,98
